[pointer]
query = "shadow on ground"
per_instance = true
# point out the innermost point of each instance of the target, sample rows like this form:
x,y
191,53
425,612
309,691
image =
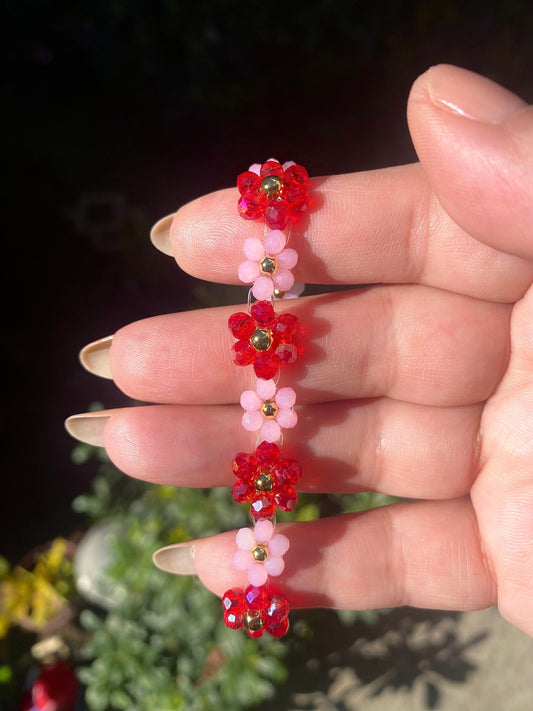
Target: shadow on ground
x,y
404,648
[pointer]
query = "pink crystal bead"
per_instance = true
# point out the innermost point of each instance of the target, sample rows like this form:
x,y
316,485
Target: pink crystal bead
x,y
274,242
263,287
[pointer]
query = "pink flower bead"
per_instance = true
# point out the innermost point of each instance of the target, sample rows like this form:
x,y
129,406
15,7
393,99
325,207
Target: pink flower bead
x,y
260,552
268,265
268,409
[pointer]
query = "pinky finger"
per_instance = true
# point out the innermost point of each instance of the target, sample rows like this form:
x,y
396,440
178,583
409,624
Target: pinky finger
x,y
424,554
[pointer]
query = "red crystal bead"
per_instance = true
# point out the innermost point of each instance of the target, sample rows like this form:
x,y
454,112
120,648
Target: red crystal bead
x,y
296,175
296,199
250,207
277,608
243,466
267,454
243,353
271,167
255,598
234,620
248,182
287,499
278,630
262,313
233,599
288,472
262,507
241,491
241,325
254,634
277,215
266,365
287,353
285,327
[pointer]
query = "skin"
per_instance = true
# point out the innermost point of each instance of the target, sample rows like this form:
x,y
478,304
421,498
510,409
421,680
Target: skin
x,y
421,387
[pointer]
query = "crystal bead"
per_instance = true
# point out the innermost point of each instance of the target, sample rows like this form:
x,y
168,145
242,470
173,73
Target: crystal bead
x,y
242,491
271,167
266,365
286,326
287,499
276,215
277,630
243,353
288,472
233,620
248,182
241,325
287,353
277,608
262,507
296,175
255,598
249,207
262,313
233,599
243,466
267,453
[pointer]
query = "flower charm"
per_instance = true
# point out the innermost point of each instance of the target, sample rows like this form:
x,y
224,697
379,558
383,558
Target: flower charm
x,y
268,265
277,192
266,480
268,409
257,609
264,339
260,552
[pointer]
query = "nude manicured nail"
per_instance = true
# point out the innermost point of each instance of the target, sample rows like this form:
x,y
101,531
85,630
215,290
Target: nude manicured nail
x,y
95,357
88,427
160,235
470,95
177,559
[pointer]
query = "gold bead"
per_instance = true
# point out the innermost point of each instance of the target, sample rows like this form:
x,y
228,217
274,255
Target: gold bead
x,y
261,339
264,482
259,553
253,620
279,294
268,265
271,185
269,409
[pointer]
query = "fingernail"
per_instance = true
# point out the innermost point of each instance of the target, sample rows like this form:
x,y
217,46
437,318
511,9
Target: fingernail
x,y
95,357
470,95
177,559
88,427
160,235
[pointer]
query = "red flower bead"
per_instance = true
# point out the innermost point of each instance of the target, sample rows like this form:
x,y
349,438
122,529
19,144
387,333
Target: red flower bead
x,y
266,480
279,201
264,339
257,609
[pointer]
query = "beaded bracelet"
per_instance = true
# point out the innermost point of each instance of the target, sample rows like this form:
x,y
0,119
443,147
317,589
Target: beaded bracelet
x,y
268,341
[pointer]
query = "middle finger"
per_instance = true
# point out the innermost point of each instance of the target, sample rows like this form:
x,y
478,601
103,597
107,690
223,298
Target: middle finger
x,y
411,343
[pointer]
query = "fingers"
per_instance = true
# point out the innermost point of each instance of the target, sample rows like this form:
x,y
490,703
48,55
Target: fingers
x,y
503,494
487,187
410,343
379,445
425,554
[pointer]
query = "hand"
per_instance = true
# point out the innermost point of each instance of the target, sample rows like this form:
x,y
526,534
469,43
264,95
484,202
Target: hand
x,y
421,387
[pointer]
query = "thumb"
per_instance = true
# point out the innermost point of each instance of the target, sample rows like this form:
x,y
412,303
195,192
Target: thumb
x,y
475,141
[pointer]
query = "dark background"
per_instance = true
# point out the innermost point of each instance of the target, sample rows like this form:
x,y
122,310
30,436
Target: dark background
x,y
115,113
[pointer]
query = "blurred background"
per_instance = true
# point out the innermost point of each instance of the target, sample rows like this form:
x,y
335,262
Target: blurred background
x,y
115,113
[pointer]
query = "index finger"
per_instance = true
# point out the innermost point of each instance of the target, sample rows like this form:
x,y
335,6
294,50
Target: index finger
x,y
383,226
